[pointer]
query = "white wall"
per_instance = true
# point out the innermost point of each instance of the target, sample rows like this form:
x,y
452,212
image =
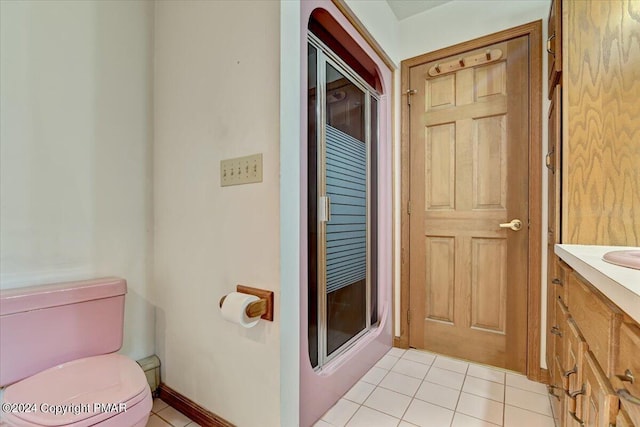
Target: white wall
x,y
291,133
382,24
75,143
216,97
463,20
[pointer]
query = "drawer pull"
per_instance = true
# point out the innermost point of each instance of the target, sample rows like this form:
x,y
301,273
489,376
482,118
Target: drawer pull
x,y
570,371
548,161
578,420
624,394
574,394
557,281
549,51
556,331
628,376
551,391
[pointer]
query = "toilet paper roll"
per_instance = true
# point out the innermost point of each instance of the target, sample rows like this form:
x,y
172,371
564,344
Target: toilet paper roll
x,y
234,309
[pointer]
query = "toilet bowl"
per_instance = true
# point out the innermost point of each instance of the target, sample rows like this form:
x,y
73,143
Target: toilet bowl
x,y
58,360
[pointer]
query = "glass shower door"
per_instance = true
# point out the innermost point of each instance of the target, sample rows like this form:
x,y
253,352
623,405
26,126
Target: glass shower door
x,y
345,174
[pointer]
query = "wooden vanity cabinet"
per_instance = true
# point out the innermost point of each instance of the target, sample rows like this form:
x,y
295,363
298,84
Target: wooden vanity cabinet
x,y
593,191
595,357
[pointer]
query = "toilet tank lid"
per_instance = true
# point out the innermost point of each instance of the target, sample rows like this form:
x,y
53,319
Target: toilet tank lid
x,y
19,300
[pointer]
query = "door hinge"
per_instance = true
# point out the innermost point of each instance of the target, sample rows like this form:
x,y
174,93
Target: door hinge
x,y
409,207
408,316
409,93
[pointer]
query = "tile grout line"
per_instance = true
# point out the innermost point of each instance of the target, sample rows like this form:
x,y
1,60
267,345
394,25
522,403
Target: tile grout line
x,y
455,410
416,392
423,379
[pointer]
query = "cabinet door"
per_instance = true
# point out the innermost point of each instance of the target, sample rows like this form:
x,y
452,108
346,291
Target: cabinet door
x,y
553,161
558,392
554,44
560,337
553,282
598,403
557,320
626,378
575,348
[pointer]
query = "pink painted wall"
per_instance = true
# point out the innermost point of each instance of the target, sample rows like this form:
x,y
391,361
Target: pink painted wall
x,y
320,390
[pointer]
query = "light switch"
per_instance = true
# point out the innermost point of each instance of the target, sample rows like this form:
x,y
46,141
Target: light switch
x,y
241,170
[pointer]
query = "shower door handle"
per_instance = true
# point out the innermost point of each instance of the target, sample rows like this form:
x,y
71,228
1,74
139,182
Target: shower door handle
x,y
324,209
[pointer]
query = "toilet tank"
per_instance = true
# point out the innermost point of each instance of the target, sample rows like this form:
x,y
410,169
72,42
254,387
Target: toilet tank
x,y
44,326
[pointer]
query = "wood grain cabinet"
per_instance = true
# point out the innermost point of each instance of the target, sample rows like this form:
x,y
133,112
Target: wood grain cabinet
x,y
600,124
592,357
593,347
554,44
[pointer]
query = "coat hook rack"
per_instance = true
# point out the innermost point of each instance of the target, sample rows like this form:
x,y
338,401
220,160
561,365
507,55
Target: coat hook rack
x,y
489,56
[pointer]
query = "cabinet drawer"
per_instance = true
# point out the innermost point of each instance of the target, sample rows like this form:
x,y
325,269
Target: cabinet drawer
x,y
597,318
598,402
627,368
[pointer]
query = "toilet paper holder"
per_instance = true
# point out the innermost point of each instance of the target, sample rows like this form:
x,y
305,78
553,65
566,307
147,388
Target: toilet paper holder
x,y
263,307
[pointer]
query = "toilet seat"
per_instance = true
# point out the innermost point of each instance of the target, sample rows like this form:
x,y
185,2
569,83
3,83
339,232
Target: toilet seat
x,y
89,390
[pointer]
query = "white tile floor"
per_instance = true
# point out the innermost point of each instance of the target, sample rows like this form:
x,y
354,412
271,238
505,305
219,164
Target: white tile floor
x,y
417,388
163,415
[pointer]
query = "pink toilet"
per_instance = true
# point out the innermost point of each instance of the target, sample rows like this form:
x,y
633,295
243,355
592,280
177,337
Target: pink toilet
x,y
57,352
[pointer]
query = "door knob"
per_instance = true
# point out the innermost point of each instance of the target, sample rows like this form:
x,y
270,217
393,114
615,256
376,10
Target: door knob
x,y
515,224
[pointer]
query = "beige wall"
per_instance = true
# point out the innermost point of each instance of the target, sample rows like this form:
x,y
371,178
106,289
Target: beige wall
x,y
216,96
75,144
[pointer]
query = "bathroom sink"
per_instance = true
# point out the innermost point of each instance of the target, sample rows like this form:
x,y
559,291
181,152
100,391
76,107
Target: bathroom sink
x,y
628,258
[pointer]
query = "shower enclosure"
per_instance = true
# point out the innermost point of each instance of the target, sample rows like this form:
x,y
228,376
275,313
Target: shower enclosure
x,y
342,203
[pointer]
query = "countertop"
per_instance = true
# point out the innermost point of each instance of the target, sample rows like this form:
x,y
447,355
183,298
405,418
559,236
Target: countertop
x,y
620,284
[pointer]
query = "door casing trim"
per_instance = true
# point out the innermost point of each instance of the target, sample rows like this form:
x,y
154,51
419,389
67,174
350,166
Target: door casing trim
x,y
534,286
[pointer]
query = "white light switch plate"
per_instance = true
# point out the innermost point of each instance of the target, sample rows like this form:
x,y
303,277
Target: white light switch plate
x,y
241,170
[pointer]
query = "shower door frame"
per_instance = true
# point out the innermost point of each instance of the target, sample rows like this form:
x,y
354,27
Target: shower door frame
x,y
324,56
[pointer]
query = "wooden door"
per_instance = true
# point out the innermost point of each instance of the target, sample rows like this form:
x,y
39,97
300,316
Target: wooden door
x,y
469,173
